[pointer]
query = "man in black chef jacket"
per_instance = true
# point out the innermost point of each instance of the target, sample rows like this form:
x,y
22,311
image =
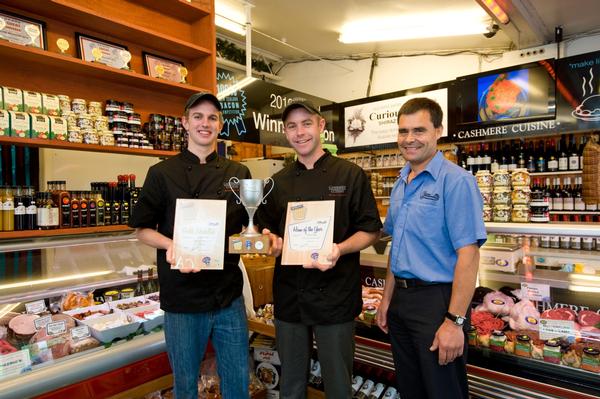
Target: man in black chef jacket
x,y
319,299
209,303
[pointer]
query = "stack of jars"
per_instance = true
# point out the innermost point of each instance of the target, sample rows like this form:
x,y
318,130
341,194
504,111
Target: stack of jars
x,y
501,196
521,195
125,125
165,132
484,181
85,123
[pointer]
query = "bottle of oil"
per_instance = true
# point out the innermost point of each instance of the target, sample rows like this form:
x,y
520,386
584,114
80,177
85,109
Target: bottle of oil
x,y
100,207
75,211
20,210
83,209
8,209
64,201
30,209
92,209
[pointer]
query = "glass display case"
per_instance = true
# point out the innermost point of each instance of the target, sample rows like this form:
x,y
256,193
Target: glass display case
x,y
37,275
535,313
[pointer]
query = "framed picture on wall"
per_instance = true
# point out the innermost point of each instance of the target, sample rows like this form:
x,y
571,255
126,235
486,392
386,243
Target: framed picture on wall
x,y
21,30
164,68
103,52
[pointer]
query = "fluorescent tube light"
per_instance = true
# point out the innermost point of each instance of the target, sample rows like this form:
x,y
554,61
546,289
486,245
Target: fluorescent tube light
x,y
230,16
416,26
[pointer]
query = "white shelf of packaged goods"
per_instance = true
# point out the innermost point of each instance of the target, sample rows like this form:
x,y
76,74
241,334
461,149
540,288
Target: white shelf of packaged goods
x,y
554,279
571,254
573,229
557,173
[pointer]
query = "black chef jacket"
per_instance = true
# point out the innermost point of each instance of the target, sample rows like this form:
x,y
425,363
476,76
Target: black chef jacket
x,y
310,296
183,176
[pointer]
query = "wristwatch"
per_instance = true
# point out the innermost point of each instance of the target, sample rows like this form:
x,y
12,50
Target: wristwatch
x,y
457,319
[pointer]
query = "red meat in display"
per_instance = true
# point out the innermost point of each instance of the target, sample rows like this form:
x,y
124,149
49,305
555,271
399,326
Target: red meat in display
x,y
587,318
560,314
485,322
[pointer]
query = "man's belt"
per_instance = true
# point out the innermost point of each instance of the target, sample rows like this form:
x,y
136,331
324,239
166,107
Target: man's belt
x,y
413,282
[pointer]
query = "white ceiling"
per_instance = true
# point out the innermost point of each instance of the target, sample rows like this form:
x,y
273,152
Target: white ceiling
x,y
313,26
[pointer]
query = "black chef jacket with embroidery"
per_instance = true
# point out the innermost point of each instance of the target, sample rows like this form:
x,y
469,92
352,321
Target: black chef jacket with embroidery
x,y
310,296
183,176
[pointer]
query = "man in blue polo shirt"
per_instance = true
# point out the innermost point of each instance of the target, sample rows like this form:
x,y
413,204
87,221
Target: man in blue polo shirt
x,y
435,219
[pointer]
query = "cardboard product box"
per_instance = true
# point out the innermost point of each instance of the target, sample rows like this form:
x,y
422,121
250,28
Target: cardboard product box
x,y
20,124
32,102
4,123
58,128
267,365
13,99
500,257
50,105
40,126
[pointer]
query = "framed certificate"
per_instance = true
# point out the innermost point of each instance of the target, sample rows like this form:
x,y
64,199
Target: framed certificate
x,y
103,52
199,234
164,68
22,30
308,232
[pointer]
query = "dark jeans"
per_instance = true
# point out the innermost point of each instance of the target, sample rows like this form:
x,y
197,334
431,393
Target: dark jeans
x,y
414,315
186,336
335,345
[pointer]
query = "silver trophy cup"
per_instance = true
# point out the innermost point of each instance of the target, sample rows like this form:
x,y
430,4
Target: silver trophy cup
x,y
251,196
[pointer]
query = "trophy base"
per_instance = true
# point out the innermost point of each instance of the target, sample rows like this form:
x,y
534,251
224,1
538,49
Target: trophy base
x,y
239,244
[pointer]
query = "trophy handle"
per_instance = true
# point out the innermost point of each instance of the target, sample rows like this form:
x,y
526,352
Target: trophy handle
x,y
266,181
235,180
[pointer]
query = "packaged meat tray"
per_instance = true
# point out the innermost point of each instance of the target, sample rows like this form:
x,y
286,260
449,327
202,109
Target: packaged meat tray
x,y
130,303
89,312
112,326
151,315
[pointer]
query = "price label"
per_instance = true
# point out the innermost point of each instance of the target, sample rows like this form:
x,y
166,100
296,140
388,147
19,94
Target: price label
x,y
15,363
80,332
42,322
556,329
536,292
35,307
56,328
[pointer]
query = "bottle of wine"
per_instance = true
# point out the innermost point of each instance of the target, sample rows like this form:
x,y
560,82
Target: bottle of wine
x,y
540,165
567,194
84,211
114,204
573,156
140,289
486,158
578,195
548,193
557,196
563,158
92,209
471,161
75,211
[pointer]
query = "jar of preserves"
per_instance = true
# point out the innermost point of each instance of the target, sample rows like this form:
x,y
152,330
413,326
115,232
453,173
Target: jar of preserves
x,y
501,213
486,195
90,136
134,119
127,108
523,345
497,341
79,106
64,102
112,106
521,195
84,121
539,212
487,213
127,293
107,138
101,124
590,360
95,108
110,296
520,177
484,178
520,214
552,352
472,336
75,135
501,196
71,118
501,178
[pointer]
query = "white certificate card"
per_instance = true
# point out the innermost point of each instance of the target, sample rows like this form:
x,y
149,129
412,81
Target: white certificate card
x,y
308,232
199,234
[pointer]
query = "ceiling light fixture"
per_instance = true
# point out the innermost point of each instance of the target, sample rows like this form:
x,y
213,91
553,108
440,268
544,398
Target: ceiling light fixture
x,y
416,26
495,10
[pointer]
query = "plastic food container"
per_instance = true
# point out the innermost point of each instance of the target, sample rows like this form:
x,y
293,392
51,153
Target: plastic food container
x,y
484,178
520,214
79,106
95,108
502,213
501,196
486,195
521,195
501,178
520,177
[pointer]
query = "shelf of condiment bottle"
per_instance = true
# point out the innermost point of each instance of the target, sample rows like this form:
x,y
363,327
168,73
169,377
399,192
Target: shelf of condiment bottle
x,y
65,145
7,235
557,173
46,60
575,212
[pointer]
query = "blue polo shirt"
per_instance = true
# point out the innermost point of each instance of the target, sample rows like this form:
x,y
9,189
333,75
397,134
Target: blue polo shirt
x,y
440,211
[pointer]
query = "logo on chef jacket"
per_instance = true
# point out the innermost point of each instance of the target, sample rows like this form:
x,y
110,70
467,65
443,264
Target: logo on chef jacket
x,y
337,190
234,106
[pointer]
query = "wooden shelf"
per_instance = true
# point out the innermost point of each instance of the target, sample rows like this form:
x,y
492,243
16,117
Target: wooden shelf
x,y
185,10
81,69
113,25
6,235
65,145
261,328
557,173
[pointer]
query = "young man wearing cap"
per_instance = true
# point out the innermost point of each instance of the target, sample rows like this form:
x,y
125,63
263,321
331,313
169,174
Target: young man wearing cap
x,y
435,219
319,299
206,304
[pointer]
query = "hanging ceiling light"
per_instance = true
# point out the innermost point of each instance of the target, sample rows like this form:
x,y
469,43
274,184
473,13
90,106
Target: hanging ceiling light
x,y
416,26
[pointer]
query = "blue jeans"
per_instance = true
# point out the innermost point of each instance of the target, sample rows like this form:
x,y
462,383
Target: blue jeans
x,y
186,336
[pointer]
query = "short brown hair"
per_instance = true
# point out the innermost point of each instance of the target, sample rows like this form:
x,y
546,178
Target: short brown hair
x,y
415,105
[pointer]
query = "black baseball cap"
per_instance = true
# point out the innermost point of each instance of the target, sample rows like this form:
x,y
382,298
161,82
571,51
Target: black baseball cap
x,y
307,105
202,96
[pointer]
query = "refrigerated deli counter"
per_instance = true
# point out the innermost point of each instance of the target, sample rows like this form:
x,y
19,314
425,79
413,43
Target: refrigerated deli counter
x,y
535,314
38,277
